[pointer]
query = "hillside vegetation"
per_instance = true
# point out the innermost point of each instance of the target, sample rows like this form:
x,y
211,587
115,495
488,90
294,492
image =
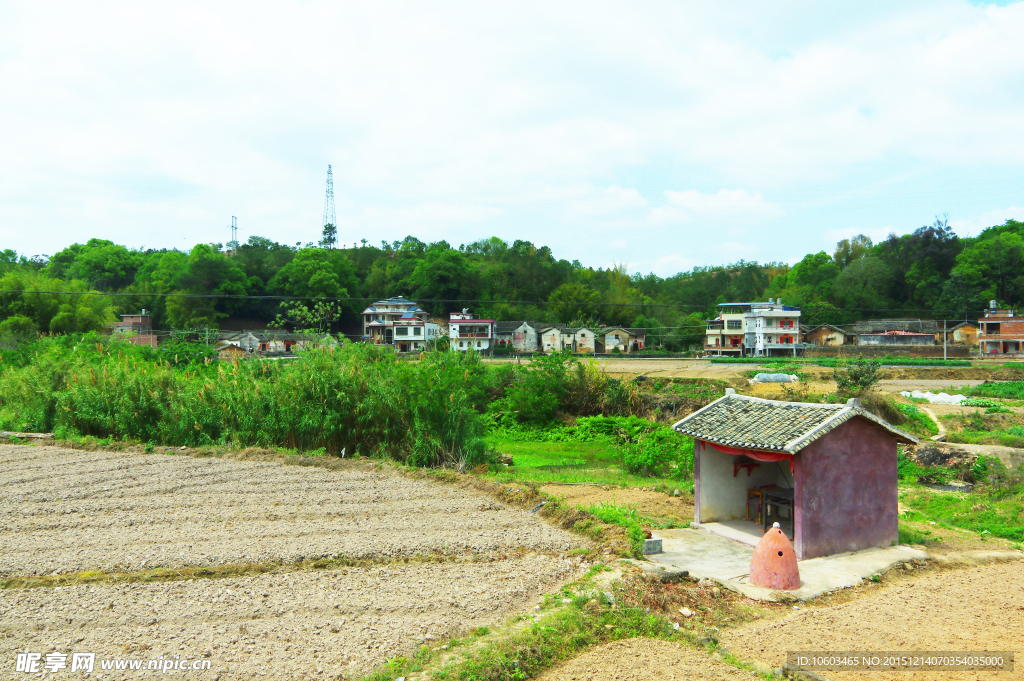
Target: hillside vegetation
x,y
930,272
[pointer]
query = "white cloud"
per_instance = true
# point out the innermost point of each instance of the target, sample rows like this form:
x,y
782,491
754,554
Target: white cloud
x,y
973,226
723,202
683,123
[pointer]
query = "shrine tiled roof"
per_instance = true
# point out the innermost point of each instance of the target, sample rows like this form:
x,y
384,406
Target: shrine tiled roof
x,y
755,423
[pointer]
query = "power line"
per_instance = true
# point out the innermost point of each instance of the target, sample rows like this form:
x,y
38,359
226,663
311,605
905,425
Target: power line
x,y
482,301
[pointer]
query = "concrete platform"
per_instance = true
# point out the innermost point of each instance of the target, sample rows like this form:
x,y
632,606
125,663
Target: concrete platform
x,y
705,555
743,531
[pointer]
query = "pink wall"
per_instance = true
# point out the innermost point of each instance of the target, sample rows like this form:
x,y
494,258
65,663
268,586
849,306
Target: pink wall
x,y
846,491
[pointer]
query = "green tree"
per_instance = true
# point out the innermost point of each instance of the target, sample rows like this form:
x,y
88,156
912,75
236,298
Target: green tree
x,y
571,301
993,265
440,275
317,273
865,285
849,250
206,273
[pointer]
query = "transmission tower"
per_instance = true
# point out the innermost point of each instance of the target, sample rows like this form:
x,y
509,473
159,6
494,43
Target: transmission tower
x,y
330,233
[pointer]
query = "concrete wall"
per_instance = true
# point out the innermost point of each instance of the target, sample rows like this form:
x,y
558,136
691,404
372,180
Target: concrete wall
x,y
720,496
955,351
894,341
845,497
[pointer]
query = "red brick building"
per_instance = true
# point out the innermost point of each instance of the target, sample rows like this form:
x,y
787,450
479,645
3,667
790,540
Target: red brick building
x,y
138,328
1001,333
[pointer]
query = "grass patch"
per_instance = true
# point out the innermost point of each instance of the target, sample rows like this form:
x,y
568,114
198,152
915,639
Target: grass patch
x,y
1010,390
995,507
185,573
621,450
917,422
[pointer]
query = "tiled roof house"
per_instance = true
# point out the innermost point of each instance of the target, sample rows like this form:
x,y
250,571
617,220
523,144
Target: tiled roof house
x,y
831,466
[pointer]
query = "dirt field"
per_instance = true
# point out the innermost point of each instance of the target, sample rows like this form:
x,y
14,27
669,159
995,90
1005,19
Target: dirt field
x,y
977,609
299,625
641,659
68,510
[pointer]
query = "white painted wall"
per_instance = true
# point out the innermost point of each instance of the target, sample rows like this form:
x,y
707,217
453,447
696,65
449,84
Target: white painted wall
x,y
723,497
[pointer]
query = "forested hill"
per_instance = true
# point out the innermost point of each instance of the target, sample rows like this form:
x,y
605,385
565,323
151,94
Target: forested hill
x,y
929,273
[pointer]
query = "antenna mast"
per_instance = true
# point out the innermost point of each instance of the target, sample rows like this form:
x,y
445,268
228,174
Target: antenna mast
x,y
330,231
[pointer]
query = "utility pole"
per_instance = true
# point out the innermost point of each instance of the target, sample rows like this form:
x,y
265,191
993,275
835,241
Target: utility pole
x,y
234,235
945,343
330,224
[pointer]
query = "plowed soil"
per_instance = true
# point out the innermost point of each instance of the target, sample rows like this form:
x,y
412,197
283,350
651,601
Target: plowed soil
x,y
68,510
973,609
299,625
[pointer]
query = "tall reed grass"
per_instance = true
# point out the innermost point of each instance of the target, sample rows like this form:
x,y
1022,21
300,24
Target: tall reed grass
x,y
359,399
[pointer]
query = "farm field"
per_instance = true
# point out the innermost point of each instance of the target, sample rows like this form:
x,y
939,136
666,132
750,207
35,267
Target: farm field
x,y
69,510
123,514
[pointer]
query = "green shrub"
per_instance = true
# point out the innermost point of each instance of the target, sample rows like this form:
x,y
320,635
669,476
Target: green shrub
x,y
907,470
359,398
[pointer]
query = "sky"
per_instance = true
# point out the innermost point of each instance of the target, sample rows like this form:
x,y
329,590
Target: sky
x,y
658,135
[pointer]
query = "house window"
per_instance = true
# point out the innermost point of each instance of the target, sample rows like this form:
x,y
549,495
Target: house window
x,y
417,331
478,343
401,331
733,324
462,344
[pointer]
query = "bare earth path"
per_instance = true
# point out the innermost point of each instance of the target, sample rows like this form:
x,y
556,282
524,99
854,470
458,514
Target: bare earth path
x,y
980,608
68,511
643,659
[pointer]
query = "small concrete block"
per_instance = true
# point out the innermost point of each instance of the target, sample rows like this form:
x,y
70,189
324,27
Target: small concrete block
x,y
652,546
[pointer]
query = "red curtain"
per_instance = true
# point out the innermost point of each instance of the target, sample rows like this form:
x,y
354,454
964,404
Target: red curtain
x,y
765,457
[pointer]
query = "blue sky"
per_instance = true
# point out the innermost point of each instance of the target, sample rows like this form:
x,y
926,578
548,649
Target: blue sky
x,y
662,135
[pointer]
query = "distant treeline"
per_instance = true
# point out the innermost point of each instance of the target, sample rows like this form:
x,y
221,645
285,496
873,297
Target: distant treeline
x,y
928,273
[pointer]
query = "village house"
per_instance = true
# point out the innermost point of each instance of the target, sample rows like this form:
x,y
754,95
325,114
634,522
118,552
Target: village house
x,y
229,353
964,333
136,329
771,329
825,472
754,330
575,339
464,332
521,335
1002,333
619,338
826,335
400,323
269,341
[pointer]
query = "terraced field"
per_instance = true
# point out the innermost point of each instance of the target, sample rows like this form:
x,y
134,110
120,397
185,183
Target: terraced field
x,y
68,511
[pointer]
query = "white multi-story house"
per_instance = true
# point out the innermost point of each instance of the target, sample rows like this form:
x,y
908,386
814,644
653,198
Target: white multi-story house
x,y
464,332
400,323
754,330
771,329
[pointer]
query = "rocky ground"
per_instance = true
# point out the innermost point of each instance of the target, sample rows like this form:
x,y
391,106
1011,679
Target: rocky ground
x,y
67,511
